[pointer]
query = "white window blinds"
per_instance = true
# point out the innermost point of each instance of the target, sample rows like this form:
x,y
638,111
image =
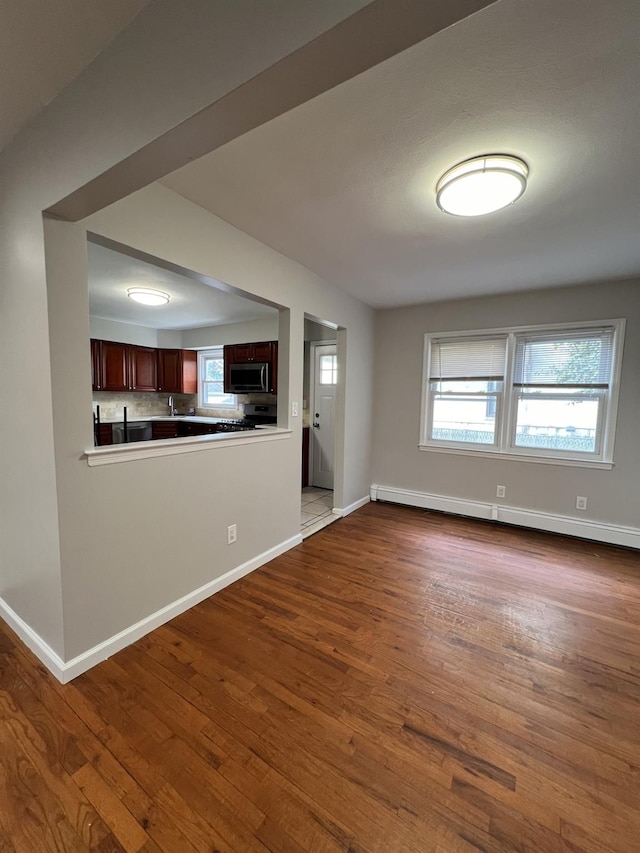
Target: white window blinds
x,y
479,359
571,359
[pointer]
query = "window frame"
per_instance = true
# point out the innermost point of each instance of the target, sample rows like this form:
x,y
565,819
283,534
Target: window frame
x,y
507,402
203,355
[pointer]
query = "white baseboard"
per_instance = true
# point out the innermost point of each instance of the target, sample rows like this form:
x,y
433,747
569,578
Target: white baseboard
x,y
342,511
65,671
599,531
33,641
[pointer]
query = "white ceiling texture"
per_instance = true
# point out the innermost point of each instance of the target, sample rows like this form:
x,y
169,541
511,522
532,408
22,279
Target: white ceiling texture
x,y
345,184
193,303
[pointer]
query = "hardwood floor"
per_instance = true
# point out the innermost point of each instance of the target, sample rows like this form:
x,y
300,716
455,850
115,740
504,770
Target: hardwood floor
x,y
402,681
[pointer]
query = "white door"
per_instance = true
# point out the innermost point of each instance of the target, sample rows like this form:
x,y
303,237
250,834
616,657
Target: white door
x,y
323,415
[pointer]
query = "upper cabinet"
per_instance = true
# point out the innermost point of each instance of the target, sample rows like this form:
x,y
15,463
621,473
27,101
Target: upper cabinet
x,y
261,352
243,353
143,362
114,366
127,367
96,367
177,371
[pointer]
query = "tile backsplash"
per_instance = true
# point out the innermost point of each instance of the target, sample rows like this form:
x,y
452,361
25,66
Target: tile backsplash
x,y
141,405
149,405
234,414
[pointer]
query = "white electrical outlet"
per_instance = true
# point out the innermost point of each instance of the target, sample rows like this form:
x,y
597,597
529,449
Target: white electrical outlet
x,y
500,491
232,534
294,410
581,502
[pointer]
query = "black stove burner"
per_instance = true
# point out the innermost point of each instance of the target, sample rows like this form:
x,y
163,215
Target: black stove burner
x,y
234,426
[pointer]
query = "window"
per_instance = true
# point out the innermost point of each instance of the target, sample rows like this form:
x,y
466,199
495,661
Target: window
x,y
328,370
466,380
211,393
537,392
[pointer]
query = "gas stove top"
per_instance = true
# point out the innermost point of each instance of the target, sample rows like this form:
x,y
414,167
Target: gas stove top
x,y
255,414
234,426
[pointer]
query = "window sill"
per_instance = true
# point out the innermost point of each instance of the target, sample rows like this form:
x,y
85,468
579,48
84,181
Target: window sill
x,y
518,457
115,453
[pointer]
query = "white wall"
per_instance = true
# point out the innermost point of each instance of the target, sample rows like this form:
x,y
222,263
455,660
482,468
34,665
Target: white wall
x,y
232,333
201,338
126,333
174,60
168,516
613,496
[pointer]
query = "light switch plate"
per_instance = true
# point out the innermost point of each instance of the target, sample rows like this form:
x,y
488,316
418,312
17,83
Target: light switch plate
x,y
294,410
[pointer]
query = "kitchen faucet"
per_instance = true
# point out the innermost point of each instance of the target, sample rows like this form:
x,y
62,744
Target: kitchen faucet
x,y
172,411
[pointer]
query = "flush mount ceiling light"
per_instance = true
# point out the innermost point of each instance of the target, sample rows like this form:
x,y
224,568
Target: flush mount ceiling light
x,y
148,296
482,185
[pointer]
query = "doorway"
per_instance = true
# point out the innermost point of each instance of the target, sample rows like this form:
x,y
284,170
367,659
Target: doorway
x,y
320,394
324,364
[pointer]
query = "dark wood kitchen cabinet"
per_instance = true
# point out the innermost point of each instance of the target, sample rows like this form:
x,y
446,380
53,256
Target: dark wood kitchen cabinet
x,y
96,368
164,429
262,351
243,353
123,367
143,366
188,428
103,434
114,366
177,371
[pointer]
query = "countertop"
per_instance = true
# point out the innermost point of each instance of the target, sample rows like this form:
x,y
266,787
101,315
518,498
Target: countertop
x,y
193,419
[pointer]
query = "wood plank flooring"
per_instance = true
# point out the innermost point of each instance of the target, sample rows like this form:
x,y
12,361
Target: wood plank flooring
x,y
402,681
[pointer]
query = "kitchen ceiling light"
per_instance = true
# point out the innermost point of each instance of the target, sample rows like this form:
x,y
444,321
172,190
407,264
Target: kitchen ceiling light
x,y
482,185
148,296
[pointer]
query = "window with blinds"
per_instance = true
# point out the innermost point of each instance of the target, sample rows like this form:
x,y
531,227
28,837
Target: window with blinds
x,y
561,387
528,391
466,382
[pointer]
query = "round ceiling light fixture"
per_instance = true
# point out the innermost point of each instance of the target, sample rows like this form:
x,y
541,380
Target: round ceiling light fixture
x,y
482,184
148,296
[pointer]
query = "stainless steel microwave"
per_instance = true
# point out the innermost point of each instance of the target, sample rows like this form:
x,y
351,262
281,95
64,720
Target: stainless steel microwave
x,y
253,376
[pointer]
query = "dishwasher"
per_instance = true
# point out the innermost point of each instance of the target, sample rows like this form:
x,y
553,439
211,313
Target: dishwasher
x,y
135,432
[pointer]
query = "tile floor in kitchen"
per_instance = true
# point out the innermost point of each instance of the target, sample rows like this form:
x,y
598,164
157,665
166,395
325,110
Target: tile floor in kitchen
x,y
316,509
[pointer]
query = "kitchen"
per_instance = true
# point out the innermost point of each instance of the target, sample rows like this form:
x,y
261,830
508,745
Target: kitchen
x,y
193,366
146,356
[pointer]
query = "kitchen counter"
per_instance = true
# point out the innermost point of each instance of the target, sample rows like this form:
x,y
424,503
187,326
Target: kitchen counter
x,y
169,447
177,418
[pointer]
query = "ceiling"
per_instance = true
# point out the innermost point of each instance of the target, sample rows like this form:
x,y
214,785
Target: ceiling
x,y
44,45
193,303
344,184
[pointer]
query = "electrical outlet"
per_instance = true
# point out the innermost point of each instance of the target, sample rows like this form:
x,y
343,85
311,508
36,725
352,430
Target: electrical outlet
x,y
294,410
500,491
581,502
232,534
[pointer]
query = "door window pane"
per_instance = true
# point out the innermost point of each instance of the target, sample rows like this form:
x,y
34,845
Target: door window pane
x,y
328,369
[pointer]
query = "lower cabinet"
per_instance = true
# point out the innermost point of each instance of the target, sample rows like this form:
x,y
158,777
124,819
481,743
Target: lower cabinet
x,y
103,434
188,428
163,429
179,429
